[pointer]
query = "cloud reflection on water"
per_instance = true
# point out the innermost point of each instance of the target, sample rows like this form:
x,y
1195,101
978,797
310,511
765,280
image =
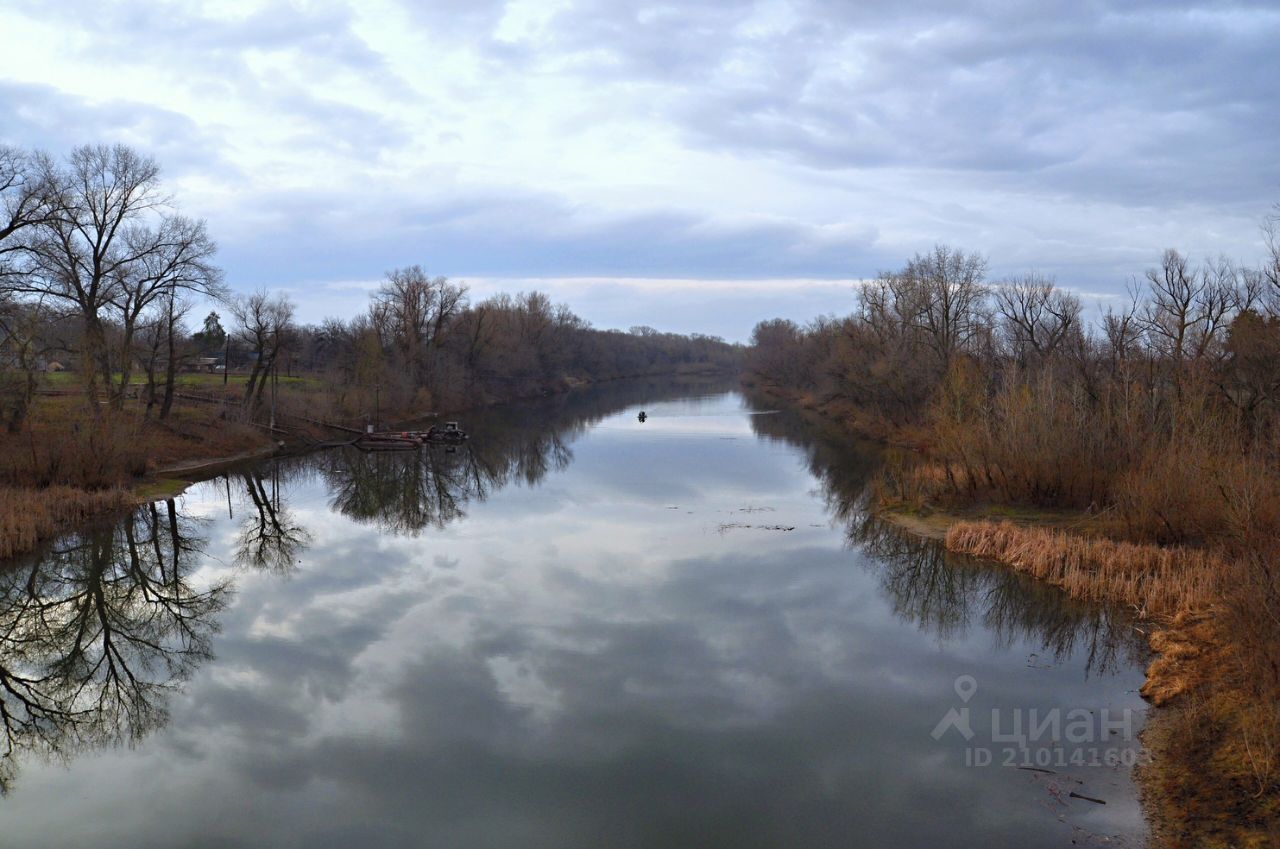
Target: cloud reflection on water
x,y
523,644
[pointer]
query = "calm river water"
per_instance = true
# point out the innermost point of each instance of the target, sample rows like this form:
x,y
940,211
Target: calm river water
x,y
580,630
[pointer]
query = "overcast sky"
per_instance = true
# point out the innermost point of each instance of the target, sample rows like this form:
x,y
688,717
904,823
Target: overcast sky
x,y
695,165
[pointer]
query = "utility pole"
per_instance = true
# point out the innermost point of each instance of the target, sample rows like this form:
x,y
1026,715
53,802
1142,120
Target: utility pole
x,y
377,406
274,373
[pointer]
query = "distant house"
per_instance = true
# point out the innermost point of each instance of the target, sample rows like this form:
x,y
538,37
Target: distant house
x,y
14,362
206,364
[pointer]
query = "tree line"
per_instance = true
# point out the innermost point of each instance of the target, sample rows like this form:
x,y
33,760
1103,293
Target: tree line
x,y
99,271
1015,396
1157,425
94,262
425,345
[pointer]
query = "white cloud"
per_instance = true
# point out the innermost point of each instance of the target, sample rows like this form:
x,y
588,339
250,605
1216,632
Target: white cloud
x,y
707,141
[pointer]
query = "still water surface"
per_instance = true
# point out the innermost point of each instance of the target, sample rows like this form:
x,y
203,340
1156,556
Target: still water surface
x,y
578,631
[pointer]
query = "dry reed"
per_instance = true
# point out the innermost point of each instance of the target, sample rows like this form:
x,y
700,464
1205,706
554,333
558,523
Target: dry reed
x,y
28,516
1156,580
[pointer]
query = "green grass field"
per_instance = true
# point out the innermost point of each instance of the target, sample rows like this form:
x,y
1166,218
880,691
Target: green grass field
x,y
66,379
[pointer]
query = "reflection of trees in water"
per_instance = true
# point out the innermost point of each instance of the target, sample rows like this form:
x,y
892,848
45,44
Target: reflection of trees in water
x,y
924,586
269,538
403,492
843,472
96,631
408,491
941,592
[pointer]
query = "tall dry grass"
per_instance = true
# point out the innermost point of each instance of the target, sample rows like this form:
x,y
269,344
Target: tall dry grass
x,y
29,516
67,465
1154,580
61,445
1218,643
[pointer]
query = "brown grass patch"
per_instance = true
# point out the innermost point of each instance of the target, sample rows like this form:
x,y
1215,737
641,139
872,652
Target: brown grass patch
x,y
1185,650
62,444
67,466
1154,580
30,516
1216,749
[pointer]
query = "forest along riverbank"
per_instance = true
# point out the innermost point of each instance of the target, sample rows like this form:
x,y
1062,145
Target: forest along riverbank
x,y
1205,783
1133,457
103,385
686,631
69,464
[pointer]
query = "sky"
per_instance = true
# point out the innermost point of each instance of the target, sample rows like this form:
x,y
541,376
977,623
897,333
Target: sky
x,y
693,166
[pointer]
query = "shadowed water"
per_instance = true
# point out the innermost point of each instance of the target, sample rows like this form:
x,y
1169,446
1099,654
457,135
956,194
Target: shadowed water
x,y
579,630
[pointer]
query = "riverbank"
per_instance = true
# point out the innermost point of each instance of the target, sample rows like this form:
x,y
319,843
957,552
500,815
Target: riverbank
x,y
550,490
67,468
1211,779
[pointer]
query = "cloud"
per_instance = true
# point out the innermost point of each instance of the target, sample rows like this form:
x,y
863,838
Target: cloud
x,y
528,235
1164,103
190,32
727,140
42,116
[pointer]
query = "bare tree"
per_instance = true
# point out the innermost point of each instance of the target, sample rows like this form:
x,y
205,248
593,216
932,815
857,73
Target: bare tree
x,y
413,312
1036,317
172,258
175,310
401,311
1170,315
84,251
26,201
22,349
1122,330
954,311
109,248
1225,293
1271,265
160,332
263,324
891,305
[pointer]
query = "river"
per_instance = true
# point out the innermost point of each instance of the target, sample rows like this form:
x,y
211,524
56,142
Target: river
x,y
578,630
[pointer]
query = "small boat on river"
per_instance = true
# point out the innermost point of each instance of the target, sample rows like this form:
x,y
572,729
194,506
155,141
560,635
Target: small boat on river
x,y
406,440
